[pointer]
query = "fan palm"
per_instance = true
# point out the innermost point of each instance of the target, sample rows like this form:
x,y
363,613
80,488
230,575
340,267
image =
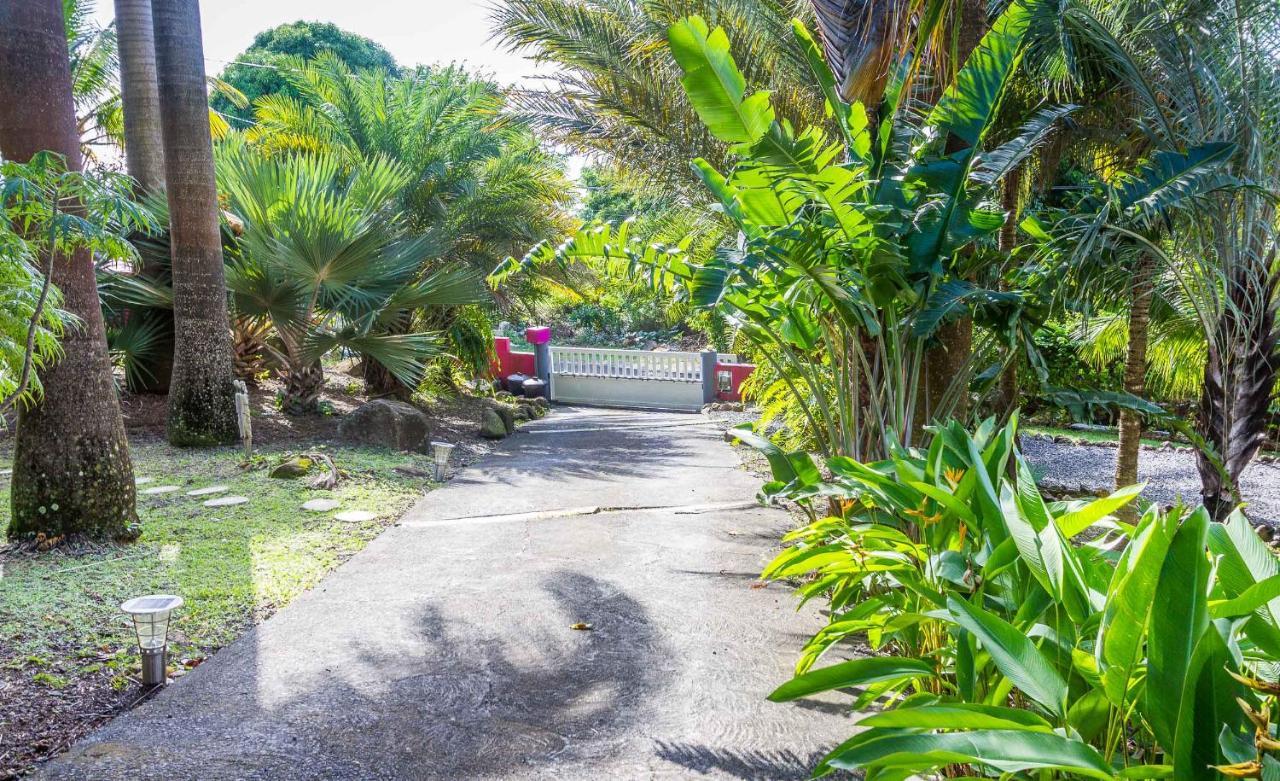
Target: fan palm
x,y
326,258
477,183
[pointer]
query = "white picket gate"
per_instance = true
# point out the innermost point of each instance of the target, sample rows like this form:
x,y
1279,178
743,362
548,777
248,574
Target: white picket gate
x,y
629,378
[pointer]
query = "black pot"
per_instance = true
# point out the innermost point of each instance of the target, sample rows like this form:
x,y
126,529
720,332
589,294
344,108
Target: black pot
x,y
534,387
515,383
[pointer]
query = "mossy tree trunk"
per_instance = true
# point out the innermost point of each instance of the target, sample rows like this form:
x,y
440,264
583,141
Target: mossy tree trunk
x,y
1141,291
71,468
201,395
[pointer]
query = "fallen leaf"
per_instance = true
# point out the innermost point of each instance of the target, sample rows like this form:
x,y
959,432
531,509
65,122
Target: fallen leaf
x,y
760,584
581,627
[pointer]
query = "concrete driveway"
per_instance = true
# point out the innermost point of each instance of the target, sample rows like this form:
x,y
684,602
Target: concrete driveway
x,y
445,649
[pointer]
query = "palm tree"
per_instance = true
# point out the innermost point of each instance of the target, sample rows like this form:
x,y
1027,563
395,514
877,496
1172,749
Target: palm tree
x,y
143,141
201,395
71,469
481,186
326,261
616,93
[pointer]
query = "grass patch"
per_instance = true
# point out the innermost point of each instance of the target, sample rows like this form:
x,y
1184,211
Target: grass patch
x,y
1084,435
59,611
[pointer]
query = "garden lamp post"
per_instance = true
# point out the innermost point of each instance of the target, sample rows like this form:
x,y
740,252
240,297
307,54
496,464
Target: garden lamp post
x,y
150,616
441,451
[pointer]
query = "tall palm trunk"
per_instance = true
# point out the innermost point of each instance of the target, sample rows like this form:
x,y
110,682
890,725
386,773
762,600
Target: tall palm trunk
x,y
1239,378
140,94
1009,201
144,153
201,395
71,468
1141,291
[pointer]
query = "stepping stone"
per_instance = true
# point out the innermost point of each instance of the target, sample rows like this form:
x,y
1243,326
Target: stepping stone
x,y
5,472
213,489
355,516
321,505
226,501
161,489
143,480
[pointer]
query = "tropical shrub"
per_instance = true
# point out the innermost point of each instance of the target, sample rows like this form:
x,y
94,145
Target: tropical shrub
x,y
1019,636
326,259
47,211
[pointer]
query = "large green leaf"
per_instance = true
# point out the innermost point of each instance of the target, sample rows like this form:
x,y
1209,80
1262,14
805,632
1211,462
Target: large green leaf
x,y
856,672
1128,605
1208,706
968,106
958,715
1008,751
1014,654
714,84
1178,624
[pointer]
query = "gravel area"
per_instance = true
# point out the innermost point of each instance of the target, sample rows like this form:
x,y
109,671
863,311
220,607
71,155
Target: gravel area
x,y
1089,468
1169,474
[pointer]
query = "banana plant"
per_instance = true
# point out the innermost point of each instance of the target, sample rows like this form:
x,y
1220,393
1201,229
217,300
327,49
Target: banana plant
x,y
853,251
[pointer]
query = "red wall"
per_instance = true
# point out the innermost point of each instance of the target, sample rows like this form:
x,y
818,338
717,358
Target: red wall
x,y
740,372
508,361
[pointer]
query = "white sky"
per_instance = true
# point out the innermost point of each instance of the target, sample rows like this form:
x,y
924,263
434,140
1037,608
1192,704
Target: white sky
x,y
414,31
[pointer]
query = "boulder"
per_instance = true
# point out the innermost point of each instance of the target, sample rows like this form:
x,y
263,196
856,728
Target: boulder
x,y
387,423
522,414
491,425
507,413
292,468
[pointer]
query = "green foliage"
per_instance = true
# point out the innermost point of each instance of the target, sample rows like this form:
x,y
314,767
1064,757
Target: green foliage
x,y
1017,635
329,262
260,70
47,211
852,253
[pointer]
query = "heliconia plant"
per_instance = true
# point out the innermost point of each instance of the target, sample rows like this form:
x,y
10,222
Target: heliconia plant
x,y
1021,636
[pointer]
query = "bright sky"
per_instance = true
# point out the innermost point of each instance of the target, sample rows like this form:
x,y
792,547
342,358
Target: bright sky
x,y
414,31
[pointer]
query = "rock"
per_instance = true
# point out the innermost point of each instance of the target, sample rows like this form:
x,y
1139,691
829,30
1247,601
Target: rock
x,y
291,469
539,411
141,480
396,425
541,402
226,501
1266,533
522,414
1168,446
213,489
320,505
508,415
725,406
504,396
160,489
491,425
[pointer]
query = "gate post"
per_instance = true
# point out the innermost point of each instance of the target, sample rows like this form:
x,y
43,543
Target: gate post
x,y
540,338
708,376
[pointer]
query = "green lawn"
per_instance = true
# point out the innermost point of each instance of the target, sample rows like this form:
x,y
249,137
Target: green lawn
x,y
59,611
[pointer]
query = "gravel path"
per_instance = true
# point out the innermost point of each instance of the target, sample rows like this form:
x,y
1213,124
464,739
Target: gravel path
x,y
1167,473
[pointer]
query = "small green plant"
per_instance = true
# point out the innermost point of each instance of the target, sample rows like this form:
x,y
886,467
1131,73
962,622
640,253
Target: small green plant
x,y
50,680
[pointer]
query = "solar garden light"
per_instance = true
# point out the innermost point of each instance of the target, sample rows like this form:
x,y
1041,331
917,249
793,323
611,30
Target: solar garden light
x,y
441,451
150,616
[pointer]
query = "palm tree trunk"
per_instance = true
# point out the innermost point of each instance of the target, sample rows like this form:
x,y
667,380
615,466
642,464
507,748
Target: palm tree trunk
x,y
201,395
1008,394
71,468
1141,291
140,94
946,363
1239,380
